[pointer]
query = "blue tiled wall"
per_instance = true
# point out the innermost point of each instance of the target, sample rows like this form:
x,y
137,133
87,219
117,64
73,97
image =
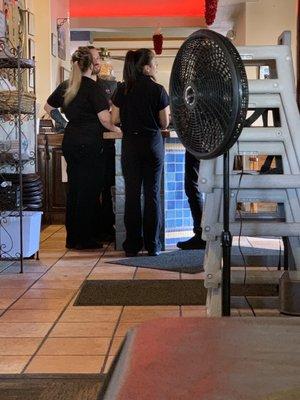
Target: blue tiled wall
x,y
177,215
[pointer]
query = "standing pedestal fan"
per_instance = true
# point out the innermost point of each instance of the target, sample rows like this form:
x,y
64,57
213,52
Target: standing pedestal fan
x,y
209,100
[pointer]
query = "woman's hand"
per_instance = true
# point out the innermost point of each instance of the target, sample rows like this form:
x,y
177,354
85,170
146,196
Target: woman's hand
x,y
164,118
117,129
105,119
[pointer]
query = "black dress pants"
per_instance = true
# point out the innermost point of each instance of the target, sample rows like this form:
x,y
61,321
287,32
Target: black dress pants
x,y
142,166
195,197
107,213
84,157
105,217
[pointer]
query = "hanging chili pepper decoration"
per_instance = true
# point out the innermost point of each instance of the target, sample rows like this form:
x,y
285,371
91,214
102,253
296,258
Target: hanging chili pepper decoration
x,y
158,41
210,11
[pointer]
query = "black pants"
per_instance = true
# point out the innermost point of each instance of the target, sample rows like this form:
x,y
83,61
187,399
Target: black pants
x,y
84,157
108,216
142,165
195,198
105,214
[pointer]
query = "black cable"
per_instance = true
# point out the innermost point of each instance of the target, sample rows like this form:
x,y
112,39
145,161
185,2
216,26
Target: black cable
x,y
240,215
240,232
250,306
279,261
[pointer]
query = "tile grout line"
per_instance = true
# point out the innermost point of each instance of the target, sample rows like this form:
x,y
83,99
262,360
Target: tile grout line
x,y
44,273
118,320
117,323
10,265
62,312
135,273
52,234
41,241
111,341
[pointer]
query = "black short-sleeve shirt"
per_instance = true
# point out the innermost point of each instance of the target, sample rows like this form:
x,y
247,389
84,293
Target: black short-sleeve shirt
x,y
139,109
89,101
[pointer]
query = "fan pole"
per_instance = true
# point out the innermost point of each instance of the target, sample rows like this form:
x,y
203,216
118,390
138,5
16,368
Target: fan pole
x,y
226,239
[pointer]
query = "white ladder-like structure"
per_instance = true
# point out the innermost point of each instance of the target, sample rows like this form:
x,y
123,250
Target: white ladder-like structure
x,y
277,93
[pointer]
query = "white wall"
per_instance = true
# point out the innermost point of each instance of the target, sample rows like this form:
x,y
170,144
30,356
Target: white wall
x,y
240,26
267,19
48,66
41,11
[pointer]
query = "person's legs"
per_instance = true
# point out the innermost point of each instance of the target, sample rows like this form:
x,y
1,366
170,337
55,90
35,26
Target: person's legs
x,y
90,183
72,170
195,199
85,169
107,213
152,172
71,202
131,167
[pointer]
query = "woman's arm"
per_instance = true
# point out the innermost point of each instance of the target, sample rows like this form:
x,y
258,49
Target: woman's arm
x,y
60,121
115,114
164,117
106,120
48,108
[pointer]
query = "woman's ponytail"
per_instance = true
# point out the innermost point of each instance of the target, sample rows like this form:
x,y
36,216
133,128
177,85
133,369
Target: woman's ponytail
x,y
81,61
74,83
134,65
129,71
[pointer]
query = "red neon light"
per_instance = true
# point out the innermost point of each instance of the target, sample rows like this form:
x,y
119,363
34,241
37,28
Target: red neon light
x,y
135,8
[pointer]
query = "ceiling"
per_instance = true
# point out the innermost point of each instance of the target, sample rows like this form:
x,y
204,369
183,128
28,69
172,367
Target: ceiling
x,y
127,19
138,8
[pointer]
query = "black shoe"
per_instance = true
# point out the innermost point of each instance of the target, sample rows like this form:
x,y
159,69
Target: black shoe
x,y
195,243
130,254
153,253
70,246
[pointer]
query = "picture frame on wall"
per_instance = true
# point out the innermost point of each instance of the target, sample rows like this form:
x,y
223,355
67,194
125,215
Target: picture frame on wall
x,y
62,41
64,74
31,55
31,24
31,78
31,48
2,24
54,44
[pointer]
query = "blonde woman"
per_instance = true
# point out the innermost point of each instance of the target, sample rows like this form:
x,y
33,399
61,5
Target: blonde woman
x,y
87,111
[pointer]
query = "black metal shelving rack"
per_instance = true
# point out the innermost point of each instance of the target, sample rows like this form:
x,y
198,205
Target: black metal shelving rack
x,y
13,114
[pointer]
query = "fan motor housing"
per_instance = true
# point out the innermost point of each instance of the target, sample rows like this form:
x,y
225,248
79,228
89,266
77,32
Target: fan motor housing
x,y
190,95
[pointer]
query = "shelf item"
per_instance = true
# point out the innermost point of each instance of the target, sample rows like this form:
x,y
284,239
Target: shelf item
x,y
10,234
9,196
12,62
9,102
32,189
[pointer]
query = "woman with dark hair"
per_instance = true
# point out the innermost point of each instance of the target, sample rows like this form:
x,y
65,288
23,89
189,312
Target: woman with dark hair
x,y
87,111
142,107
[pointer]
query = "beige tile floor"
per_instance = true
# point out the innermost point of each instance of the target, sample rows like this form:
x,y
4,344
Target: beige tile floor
x,y
40,329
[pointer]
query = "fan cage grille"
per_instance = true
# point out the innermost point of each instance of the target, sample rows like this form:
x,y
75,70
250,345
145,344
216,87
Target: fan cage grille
x,y
209,94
